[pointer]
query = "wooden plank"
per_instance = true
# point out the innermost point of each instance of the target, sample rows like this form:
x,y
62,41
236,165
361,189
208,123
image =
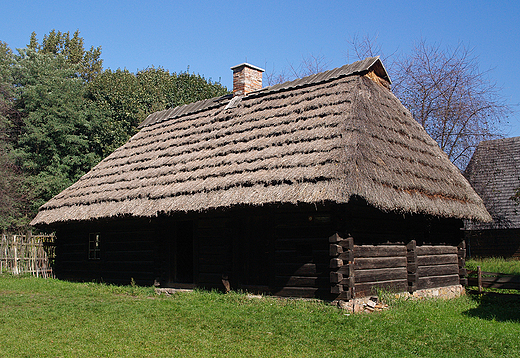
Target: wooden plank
x,y
335,277
292,243
301,281
363,263
347,256
335,249
303,292
438,270
335,238
210,278
346,270
397,273
335,263
436,250
379,251
308,269
370,288
291,256
345,295
437,260
437,281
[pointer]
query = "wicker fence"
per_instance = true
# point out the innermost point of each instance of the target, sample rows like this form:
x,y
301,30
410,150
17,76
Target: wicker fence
x,y
20,254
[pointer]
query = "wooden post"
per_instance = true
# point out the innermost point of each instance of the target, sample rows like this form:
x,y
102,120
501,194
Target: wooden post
x,y
341,262
411,265
479,279
461,252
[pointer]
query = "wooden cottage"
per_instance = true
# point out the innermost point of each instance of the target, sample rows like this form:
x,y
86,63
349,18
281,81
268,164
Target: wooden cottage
x,y
494,173
320,187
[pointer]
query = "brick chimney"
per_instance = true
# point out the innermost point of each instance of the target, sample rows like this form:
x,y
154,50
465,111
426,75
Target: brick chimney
x,y
246,78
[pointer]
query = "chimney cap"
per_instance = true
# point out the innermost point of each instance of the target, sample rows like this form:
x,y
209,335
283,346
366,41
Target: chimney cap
x,y
245,64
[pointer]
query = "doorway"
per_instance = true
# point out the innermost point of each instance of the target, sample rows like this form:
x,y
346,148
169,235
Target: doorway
x,y
180,253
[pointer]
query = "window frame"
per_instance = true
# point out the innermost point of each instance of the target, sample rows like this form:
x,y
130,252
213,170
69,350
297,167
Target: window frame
x,y
94,251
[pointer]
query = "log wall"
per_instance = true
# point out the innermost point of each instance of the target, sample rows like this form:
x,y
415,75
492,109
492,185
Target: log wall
x,y
126,254
360,270
493,243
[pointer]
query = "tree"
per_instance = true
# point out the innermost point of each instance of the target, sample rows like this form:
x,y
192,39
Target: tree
x,y
126,99
12,199
60,114
444,89
89,63
54,147
309,65
450,97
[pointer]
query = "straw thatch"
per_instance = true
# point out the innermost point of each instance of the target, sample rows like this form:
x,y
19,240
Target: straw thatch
x,y
325,138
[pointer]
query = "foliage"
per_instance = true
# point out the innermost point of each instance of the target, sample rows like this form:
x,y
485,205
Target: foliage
x,y
126,99
55,318
61,113
53,148
88,62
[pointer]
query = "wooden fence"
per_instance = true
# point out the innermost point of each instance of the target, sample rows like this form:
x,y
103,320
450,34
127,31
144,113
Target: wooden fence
x,y
493,280
356,270
27,254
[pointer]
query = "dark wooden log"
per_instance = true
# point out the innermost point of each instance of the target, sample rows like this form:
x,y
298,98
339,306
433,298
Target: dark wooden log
x,y
336,263
411,265
335,249
301,281
397,273
347,244
335,238
344,295
346,270
436,250
438,270
437,260
347,256
335,277
363,263
370,288
303,292
336,289
308,269
379,251
437,281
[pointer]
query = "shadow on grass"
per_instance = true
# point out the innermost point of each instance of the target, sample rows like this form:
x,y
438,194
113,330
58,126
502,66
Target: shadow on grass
x,y
495,306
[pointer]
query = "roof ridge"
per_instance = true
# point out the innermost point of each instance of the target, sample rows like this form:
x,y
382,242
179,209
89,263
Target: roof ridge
x,y
358,67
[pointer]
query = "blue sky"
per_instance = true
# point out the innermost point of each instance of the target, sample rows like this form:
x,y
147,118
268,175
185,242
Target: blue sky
x,y
211,36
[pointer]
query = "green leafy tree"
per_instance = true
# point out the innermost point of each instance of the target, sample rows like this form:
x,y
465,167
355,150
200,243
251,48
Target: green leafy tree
x,y
61,114
12,199
89,63
126,99
54,147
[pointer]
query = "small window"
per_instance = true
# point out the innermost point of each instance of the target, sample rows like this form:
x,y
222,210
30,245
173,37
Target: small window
x,y
93,246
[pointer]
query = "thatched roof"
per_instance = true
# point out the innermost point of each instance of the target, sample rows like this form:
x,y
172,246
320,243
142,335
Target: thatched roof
x,y
494,172
325,138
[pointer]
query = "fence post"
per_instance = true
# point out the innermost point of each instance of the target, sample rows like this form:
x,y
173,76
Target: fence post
x,y
479,279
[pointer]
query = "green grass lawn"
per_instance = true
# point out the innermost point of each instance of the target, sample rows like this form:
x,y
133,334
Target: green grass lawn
x,y
495,264
52,318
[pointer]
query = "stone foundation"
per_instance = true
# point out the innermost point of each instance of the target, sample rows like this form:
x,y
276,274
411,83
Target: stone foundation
x,y
374,304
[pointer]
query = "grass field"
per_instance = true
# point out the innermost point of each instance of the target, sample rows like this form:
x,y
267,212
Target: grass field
x,y
495,264
52,318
